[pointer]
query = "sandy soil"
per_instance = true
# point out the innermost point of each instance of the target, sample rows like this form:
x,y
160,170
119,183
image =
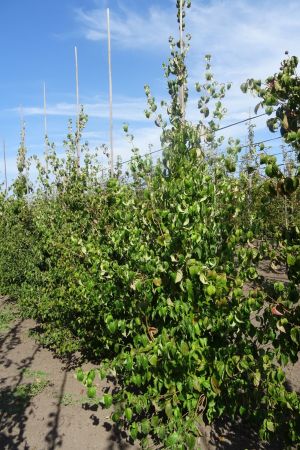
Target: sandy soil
x,y
59,416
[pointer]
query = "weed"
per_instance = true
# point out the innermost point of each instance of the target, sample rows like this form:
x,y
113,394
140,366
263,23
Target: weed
x,y
30,390
68,399
28,373
7,315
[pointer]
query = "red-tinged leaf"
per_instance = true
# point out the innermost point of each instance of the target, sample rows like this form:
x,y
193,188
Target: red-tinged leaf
x,y
275,311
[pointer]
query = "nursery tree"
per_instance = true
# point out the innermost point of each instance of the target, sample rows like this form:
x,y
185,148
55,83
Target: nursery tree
x,y
280,94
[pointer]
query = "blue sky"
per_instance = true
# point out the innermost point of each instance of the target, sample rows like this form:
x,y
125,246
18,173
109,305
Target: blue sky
x,y
246,38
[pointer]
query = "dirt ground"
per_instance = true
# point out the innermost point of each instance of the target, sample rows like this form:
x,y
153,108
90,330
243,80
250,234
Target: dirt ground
x,y
54,413
43,406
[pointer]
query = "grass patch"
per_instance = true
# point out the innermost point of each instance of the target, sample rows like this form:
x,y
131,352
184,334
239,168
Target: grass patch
x,y
30,390
68,399
7,315
28,373
15,401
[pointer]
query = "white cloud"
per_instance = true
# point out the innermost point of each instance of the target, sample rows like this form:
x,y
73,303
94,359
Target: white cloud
x,y
124,108
128,28
246,38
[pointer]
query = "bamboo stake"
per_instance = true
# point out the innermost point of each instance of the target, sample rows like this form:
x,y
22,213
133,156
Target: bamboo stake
x,y
24,148
5,169
110,97
45,128
78,109
181,93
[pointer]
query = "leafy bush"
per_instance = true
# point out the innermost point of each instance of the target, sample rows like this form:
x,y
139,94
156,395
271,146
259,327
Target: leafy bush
x,y
155,273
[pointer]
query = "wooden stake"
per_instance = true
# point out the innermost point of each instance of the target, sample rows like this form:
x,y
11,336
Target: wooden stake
x,y
110,98
181,93
45,128
24,144
5,170
78,108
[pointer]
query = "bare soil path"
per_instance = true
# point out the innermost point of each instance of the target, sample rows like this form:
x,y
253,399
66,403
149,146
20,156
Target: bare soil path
x,y
42,405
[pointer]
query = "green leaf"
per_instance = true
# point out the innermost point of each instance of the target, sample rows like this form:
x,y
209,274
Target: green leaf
x,y
112,326
211,290
128,414
270,426
172,440
257,378
145,426
295,335
285,122
91,375
291,260
215,385
153,360
244,88
107,399
80,375
154,421
190,441
203,278
196,384
157,282
280,375
179,276
115,417
242,410
257,107
279,286
134,431
89,382
91,392
169,410
184,348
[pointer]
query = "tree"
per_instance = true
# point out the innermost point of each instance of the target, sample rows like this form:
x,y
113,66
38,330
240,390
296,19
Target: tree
x,y
280,94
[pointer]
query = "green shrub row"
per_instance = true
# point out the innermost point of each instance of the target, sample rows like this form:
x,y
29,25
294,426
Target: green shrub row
x,y
155,276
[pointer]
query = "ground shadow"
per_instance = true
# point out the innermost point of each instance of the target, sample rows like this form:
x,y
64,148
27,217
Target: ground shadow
x,y
14,403
53,438
240,435
118,439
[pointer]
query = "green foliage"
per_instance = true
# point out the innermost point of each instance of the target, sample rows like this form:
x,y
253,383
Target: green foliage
x,y
19,255
281,94
155,273
7,315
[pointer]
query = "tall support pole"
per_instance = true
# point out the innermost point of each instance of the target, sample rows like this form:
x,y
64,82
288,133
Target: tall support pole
x,y
78,108
45,129
5,168
181,92
23,143
110,97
